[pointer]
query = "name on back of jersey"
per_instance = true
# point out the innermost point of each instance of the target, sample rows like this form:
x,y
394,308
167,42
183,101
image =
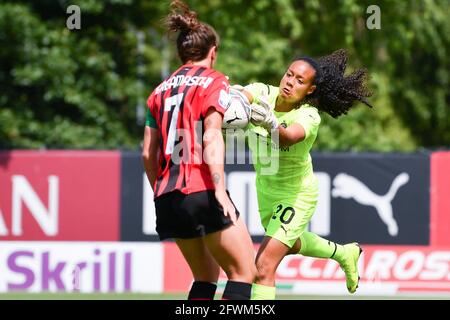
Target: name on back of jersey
x,y
181,80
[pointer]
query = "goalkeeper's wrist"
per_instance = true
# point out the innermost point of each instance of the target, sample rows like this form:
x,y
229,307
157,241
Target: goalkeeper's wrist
x,y
271,126
274,124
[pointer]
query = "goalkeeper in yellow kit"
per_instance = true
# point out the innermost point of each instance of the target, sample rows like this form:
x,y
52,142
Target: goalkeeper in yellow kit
x,y
288,118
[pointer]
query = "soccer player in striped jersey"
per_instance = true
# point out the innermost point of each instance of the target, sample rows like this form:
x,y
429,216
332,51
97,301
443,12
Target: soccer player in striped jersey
x,y
183,156
288,118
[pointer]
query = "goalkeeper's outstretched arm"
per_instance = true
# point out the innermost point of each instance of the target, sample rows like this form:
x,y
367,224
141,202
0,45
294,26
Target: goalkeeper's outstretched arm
x,y
262,115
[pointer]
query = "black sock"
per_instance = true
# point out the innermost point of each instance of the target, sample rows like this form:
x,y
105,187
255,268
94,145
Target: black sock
x,y
237,291
202,290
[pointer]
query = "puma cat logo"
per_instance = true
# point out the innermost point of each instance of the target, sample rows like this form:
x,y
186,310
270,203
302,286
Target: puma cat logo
x,y
347,187
236,118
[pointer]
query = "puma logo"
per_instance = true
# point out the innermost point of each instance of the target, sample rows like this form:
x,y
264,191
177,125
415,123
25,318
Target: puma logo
x,y
347,187
236,118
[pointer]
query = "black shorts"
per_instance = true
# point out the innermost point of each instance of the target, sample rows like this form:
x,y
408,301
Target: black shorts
x,y
187,216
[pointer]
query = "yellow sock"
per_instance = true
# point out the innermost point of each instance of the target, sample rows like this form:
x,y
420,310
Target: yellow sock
x,y
315,246
262,292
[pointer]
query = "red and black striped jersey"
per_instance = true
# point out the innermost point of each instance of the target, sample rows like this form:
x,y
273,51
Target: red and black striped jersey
x,y
179,105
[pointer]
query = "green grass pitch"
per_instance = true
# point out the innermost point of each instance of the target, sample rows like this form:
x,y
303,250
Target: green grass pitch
x,y
182,296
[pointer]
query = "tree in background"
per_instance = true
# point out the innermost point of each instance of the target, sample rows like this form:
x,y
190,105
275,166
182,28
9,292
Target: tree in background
x,y
73,89
87,88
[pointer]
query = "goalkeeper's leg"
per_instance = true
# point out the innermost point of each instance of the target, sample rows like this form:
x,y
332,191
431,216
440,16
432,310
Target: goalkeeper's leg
x,y
347,255
269,256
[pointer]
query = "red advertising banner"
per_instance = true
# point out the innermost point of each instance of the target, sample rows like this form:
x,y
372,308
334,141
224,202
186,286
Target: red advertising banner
x,y
176,273
59,195
440,199
384,270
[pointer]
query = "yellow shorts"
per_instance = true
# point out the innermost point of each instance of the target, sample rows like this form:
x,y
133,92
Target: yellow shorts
x,y
285,219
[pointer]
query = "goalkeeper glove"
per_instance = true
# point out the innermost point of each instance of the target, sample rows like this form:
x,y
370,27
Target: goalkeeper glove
x,y
263,116
237,87
236,90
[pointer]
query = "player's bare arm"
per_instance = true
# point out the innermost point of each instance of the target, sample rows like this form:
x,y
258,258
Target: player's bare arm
x,y
214,157
150,153
291,135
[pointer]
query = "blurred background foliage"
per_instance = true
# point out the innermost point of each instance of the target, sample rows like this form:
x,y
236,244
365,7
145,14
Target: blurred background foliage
x,y
87,88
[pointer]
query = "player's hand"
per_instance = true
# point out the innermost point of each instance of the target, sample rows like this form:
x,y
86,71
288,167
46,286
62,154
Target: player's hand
x,y
228,208
262,115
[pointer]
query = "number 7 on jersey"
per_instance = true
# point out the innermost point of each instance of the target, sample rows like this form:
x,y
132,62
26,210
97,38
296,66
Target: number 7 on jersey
x,y
169,102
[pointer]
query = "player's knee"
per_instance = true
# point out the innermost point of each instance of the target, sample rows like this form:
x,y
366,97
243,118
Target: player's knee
x,y
243,273
207,275
247,274
252,271
265,268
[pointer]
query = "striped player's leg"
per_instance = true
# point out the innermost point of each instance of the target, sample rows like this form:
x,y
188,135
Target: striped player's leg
x,y
205,269
233,249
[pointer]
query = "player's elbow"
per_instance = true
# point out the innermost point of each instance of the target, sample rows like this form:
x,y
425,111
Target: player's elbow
x,y
290,136
288,141
145,155
149,159
284,143
150,162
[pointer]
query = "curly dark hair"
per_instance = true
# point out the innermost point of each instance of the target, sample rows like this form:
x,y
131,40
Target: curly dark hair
x,y
335,92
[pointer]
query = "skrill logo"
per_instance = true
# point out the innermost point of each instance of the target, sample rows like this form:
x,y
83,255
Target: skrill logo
x,y
100,270
43,266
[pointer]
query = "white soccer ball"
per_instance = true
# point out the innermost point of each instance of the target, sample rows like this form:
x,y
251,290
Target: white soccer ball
x,y
237,115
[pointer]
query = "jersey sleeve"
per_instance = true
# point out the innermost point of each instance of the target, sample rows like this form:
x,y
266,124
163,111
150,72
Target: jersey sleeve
x,y
216,96
150,121
309,119
151,105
